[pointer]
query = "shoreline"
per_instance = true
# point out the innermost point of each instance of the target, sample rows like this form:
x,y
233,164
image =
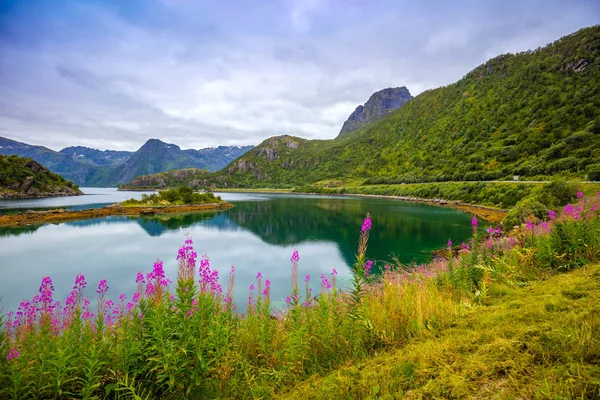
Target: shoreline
x,y
29,218
487,213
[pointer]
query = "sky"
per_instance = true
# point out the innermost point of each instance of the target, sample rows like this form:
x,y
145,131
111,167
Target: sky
x,y
110,74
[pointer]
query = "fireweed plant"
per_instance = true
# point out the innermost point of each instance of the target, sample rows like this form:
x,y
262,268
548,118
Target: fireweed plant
x,y
185,339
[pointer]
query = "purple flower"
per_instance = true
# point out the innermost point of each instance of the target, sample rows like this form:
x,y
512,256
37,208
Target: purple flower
x,y
464,246
568,209
102,287
579,194
122,297
334,272
139,278
367,266
325,282
232,270
251,287
288,299
474,222
366,224
529,225
295,256
552,214
307,278
13,353
259,276
449,243
387,267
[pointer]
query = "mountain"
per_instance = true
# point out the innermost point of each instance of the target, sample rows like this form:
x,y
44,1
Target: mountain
x,y
379,104
25,178
535,114
96,157
91,167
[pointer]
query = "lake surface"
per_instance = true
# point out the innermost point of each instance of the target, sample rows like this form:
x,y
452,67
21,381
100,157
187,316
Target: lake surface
x,y
259,234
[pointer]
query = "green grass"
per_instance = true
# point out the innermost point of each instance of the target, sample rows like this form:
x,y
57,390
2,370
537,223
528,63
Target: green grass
x,y
541,341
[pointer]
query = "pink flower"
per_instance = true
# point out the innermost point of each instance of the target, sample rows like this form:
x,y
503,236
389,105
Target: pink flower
x,y
474,222
367,266
295,256
579,194
449,243
13,353
366,224
334,272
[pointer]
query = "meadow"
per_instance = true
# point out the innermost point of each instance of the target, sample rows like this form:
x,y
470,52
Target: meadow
x,y
186,339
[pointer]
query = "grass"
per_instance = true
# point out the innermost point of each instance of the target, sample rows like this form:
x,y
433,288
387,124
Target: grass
x,y
540,341
497,317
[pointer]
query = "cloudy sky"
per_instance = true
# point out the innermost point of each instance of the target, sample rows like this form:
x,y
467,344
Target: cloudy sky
x,y
112,73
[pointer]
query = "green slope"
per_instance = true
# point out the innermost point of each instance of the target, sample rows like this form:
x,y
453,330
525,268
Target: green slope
x,y
532,114
537,342
24,177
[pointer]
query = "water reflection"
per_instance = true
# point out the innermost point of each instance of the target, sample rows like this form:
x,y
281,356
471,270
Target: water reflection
x,y
259,234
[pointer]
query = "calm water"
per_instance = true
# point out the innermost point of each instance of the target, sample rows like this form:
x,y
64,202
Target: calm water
x,y
259,234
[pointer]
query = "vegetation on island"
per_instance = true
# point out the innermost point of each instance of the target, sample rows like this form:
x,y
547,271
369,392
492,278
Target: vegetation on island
x,y
24,177
187,340
182,195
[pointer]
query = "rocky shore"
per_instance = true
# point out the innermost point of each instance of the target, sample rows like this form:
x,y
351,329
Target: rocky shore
x,y
60,215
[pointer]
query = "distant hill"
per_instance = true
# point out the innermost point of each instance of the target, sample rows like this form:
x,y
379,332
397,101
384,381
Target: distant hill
x,y
96,157
25,178
534,114
91,167
379,104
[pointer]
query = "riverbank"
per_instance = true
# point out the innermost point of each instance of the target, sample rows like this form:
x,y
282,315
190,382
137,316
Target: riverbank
x,y
486,213
30,217
6,194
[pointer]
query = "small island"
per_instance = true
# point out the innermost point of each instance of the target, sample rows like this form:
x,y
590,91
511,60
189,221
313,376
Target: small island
x,y
172,201
24,178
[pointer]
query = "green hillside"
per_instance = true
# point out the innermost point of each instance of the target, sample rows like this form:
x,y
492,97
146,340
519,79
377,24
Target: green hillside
x,y
24,177
534,114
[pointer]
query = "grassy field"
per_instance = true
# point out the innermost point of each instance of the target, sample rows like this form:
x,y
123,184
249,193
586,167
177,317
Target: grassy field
x,y
538,341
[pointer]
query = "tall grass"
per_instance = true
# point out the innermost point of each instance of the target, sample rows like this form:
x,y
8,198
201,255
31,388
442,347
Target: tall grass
x,y
185,338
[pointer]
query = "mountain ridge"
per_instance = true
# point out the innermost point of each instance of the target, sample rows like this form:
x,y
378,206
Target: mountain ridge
x,y
92,167
534,114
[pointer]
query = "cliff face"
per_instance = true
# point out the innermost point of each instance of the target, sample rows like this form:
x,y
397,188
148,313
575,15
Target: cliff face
x,y
379,104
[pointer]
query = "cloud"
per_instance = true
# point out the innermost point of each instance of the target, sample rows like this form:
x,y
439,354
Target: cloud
x,y
109,74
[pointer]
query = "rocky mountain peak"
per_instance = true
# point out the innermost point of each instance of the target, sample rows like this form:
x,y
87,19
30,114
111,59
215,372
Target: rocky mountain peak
x,y
379,104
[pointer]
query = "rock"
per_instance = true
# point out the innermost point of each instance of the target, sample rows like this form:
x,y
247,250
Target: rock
x,y
26,185
147,212
379,104
577,65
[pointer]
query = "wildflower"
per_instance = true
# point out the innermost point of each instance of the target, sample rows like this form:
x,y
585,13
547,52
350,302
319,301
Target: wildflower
x,y
102,287
136,297
232,270
449,243
325,282
529,225
267,288
491,230
122,297
568,209
13,353
474,222
367,266
334,272
288,299
387,267
295,256
579,194
251,287
366,227
140,278
259,276
307,278
552,214
464,246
